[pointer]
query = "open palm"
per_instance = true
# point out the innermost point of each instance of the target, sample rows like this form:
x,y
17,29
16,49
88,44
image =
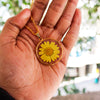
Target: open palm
x,y
21,74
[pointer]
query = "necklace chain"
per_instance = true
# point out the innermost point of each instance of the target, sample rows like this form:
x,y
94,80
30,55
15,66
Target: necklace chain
x,y
31,4
37,33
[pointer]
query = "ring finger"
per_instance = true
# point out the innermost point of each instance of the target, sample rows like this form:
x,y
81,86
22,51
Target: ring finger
x,y
65,20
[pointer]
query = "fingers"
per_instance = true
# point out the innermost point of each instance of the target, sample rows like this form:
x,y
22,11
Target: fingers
x,y
38,9
66,18
54,13
72,35
15,24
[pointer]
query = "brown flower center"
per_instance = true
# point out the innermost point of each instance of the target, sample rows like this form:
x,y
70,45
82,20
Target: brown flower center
x,y
49,51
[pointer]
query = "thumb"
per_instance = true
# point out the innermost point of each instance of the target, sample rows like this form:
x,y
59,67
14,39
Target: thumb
x,y
15,24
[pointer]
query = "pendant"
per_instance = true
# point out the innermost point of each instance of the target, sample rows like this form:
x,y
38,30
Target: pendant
x,y
49,51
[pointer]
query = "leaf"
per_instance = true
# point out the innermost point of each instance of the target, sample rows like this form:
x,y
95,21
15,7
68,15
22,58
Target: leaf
x,y
4,3
84,90
59,92
65,88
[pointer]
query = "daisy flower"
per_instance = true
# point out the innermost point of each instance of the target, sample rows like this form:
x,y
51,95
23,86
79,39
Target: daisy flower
x,y
49,51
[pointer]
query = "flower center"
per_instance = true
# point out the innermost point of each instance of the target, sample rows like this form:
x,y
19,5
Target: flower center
x,y
49,51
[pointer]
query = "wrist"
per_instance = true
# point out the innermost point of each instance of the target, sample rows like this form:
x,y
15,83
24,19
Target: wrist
x,y
26,94
31,97
4,95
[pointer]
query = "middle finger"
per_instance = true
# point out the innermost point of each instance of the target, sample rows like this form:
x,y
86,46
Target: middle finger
x,y
54,13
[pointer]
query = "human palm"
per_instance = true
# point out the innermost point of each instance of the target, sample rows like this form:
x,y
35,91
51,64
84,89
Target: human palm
x,y
21,73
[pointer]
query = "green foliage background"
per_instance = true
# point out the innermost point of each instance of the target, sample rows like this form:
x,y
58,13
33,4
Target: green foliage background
x,y
13,7
92,10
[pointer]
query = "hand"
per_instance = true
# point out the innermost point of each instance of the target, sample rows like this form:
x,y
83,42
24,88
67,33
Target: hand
x,y
21,74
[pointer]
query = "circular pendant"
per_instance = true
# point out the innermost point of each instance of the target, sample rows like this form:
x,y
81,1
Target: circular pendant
x,y
49,51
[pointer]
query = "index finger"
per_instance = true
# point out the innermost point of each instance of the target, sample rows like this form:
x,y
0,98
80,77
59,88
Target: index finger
x,y
38,9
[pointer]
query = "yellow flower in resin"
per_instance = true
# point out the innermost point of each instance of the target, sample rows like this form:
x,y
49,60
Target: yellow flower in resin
x,y
49,51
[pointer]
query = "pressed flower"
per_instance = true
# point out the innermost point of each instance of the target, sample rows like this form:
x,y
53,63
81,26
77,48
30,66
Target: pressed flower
x,y
49,51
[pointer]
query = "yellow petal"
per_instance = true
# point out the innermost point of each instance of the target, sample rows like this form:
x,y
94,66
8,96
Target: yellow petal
x,y
52,44
41,53
57,52
45,43
49,59
43,46
43,57
48,42
55,56
55,48
41,49
52,57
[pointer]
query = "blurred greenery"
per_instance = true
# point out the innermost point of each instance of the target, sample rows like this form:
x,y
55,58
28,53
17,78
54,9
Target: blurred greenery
x,y
85,40
59,92
71,89
92,10
13,7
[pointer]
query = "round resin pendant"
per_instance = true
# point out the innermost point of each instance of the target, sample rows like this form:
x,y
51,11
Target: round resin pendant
x,y
49,51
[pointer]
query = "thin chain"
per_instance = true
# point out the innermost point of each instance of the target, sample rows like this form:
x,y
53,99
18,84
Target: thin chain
x,y
37,33
32,4
35,25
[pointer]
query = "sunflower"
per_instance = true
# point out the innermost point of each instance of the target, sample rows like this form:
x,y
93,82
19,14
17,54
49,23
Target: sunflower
x,y
49,51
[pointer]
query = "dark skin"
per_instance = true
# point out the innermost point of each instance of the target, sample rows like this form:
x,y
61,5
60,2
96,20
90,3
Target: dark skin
x,y
21,74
